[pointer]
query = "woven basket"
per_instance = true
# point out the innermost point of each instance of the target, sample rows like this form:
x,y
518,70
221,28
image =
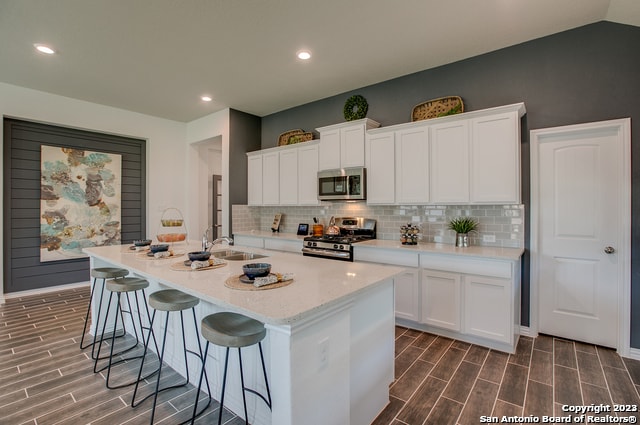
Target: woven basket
x,y
437,108
294,136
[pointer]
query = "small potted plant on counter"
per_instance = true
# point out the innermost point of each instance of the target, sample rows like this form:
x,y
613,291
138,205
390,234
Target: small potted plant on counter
x,y
463,226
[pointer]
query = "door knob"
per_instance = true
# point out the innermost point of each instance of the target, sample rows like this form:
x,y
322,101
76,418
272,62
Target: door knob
x,y
609,249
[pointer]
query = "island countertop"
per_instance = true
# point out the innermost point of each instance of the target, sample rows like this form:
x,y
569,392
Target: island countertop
x,y
318,283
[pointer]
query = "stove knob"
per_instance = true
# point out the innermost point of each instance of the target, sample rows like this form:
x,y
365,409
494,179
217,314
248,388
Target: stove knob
x,y
341,247
335,246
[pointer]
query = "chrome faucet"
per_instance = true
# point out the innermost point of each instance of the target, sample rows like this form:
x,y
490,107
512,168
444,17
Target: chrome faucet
x,y
226,239
206,245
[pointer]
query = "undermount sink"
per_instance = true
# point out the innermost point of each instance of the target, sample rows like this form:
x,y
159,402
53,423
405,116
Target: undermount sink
x,y
232,255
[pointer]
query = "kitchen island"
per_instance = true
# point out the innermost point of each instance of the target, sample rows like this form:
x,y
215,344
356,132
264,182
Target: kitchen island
x,y
330,333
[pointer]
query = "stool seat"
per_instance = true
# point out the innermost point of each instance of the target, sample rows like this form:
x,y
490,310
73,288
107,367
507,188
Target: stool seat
x,y
172,300
169,300
229,329
121,286
108,272
127,284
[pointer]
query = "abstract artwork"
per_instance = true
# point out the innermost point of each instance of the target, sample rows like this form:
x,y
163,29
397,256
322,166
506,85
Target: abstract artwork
x,y
80,197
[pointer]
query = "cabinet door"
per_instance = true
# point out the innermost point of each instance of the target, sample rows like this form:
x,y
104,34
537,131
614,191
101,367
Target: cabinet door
x,y
495,159
270,178
352,146
329,155
308,175
381,181
407,295
441,299
449,162
254,179
488,308
288,177
412,165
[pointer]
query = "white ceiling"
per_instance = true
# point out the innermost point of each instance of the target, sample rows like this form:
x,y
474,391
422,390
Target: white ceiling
x,y
158,56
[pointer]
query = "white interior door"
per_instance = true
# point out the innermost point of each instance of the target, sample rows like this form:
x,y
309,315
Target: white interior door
x,y
580,227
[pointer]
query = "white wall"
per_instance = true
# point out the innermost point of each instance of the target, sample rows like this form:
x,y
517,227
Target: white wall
x,y
212,126
166,153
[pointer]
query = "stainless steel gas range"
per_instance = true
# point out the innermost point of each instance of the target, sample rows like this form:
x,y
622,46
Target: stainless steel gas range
x,y
340,247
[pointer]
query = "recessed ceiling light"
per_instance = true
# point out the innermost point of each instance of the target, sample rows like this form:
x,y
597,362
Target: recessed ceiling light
x,y
304,55
206,98
44,49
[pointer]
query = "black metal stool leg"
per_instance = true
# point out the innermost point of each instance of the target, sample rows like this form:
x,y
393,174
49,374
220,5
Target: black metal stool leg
x,y
224,383
86,317
244,389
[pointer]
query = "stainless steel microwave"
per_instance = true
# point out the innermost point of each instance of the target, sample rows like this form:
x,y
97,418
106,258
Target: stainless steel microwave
x,y
347,184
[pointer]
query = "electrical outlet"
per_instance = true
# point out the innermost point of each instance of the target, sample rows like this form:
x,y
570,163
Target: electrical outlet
x,y
488,238
323,353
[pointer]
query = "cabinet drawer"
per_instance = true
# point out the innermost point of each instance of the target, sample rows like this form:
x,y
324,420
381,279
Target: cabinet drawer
x,y
374,255
283,245
457,264
251,241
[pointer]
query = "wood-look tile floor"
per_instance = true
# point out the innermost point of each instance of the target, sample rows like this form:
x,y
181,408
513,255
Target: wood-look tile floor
x,y
46,379
443,381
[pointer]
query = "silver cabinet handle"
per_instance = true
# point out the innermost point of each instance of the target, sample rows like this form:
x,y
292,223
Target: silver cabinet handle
x,y
609,249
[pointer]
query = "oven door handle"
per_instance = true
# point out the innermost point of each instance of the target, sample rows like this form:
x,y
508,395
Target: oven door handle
x,y
327,252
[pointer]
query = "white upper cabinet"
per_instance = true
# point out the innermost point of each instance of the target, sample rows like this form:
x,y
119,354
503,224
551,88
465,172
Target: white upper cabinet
x,y
288,177
308,174
449,166
284,175
254,179
271,178
380,154
412,165
342,145
495,159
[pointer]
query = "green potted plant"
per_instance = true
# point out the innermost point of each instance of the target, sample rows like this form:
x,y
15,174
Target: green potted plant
x,y
463,226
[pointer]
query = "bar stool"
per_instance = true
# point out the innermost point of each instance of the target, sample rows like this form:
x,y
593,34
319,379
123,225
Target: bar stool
x,y
229,329
103,273
171,300
119,286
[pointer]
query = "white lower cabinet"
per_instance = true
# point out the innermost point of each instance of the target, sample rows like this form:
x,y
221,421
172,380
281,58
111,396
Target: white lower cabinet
x,y
407,295
441,301
287,245
252,241
487,304
473,299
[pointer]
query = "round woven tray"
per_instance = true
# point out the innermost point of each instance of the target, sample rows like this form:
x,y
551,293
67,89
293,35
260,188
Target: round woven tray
x,y
437,108
181,267
235,283
294,136
143,256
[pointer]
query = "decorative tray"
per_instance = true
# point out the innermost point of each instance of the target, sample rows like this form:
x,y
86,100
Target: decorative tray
x,y
148,255
245,284
440,107
294,136
185,266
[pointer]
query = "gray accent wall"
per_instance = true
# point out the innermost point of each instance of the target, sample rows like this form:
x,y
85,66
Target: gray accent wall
x,y
22,141
244,136
591,73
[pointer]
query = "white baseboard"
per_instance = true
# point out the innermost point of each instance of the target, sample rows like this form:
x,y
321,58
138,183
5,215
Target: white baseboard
x,y
39,291
527,331
634,353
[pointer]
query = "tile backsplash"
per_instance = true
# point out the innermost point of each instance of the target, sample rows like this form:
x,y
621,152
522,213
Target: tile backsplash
x,y
504,223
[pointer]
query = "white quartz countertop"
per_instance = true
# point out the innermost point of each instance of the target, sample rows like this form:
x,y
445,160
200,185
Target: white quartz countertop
x,y
318,284
270,234
487,252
